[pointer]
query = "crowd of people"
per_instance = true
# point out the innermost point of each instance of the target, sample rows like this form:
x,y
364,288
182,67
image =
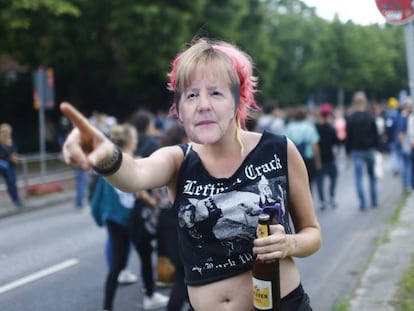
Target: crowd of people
x,y
361,134
196,183
321,137
133,218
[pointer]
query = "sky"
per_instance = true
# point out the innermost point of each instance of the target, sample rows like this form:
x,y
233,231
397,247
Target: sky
x,y
363,12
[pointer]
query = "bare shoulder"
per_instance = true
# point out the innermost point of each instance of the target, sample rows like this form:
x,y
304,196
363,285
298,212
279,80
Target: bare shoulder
x,y
250,139
175,154
293,152
251,134
173,157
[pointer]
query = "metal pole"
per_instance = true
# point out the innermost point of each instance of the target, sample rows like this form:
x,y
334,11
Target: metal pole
x,y
25,176
42,104
409,45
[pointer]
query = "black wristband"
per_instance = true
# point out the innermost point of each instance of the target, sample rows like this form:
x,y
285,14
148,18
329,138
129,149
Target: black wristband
x,y
110,166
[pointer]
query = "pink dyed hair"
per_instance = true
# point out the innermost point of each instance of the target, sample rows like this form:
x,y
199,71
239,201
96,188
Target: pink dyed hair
x,y
242,68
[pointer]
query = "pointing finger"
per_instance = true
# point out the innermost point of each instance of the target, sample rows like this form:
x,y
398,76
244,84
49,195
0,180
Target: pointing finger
x,y
78,120
85,146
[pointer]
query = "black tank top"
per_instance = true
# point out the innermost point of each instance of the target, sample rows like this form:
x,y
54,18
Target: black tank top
x,y
217,217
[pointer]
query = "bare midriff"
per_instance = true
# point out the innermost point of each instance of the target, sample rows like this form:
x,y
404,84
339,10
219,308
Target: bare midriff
x,y
236,293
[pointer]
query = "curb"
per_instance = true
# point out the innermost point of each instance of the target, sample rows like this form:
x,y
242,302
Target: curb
x,y
55,188
35,203
380,282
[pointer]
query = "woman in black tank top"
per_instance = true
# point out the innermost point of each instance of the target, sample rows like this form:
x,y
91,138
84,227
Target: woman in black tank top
x,y
220,183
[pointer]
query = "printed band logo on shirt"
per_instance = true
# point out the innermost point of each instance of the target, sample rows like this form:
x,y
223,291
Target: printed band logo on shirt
x,y
252,172
191,188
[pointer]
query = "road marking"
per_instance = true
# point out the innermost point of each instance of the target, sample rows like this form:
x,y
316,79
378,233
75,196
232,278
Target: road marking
x,y
38,275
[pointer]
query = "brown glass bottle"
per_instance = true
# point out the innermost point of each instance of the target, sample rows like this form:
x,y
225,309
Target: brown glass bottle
x,y
266,278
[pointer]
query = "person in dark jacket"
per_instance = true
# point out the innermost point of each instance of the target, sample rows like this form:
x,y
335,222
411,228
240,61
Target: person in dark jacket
x,y
328,139
361,144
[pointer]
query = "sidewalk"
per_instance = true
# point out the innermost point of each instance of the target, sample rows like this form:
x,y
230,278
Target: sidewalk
x,y
55,188
380,282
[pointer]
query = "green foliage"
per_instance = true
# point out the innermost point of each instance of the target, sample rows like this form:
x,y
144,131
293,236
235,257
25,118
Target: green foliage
x,y
342,306
144,38
289,27
15,14
113,55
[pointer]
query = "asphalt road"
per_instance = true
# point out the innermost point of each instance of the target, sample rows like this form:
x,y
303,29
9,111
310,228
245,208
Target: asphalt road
x,y
349,239
53,259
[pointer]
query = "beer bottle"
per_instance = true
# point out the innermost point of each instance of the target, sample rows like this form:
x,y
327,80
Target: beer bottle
x,y
266,278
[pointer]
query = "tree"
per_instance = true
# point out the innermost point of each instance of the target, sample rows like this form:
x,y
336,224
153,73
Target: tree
x,y
114,55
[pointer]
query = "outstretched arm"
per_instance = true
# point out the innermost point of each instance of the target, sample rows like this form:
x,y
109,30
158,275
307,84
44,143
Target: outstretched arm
x,y
86,147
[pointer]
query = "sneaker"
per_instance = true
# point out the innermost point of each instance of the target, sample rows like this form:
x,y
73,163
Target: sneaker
x,y
127,277
156,301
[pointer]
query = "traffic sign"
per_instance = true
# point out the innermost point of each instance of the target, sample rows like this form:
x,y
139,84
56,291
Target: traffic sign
x,y
396,11
43,91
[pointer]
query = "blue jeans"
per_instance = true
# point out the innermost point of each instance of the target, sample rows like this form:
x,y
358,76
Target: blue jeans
x,y
405,170
366,158
395,155
412,168
9,173
82,178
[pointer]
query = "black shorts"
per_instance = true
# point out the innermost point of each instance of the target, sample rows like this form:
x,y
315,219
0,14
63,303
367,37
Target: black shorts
x,y
296,300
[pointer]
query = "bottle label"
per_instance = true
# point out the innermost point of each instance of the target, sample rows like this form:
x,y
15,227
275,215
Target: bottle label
x,y
262,231
262,294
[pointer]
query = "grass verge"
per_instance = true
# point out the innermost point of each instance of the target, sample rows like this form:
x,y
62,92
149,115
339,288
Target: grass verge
x,y
404,299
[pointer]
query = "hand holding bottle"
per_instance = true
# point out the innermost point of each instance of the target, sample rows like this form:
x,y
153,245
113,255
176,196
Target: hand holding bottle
x,y
274,246
266,274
